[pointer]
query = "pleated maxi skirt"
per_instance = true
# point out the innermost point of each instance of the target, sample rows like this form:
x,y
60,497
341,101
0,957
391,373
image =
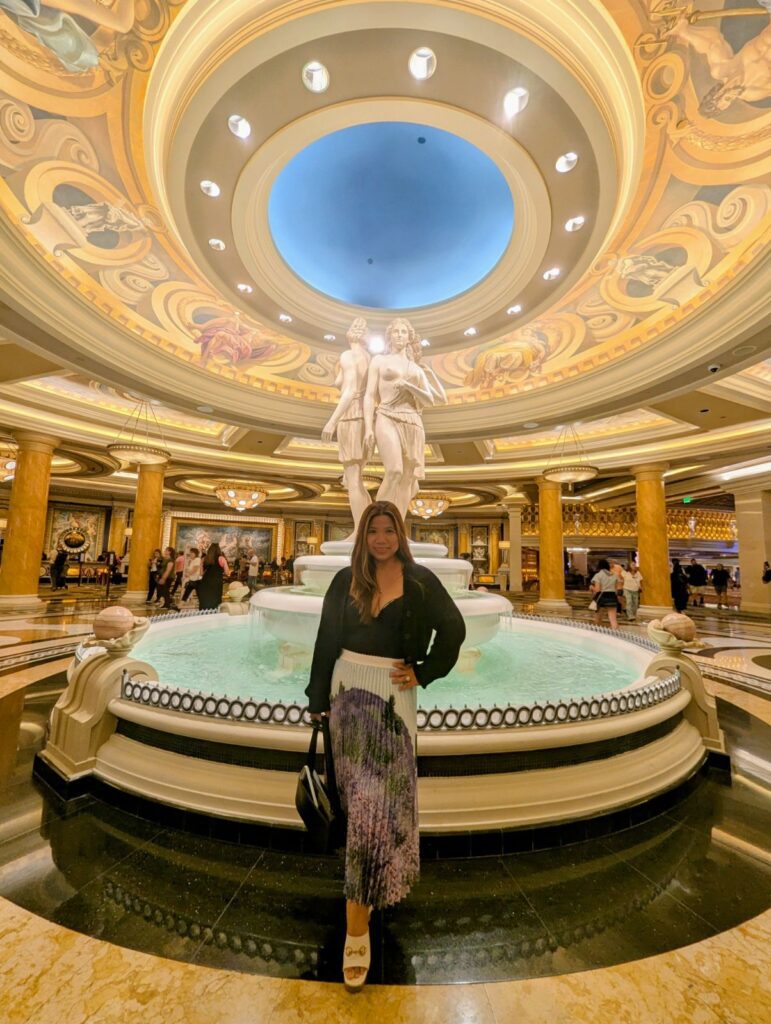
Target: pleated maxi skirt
x,y
373,726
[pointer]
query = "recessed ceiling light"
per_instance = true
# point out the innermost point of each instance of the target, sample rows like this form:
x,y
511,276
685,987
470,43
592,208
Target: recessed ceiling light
x,y
513,310
210,188
376,345
575,223
205,408
285,318
217,243
515,101
745,350
425,342
239,126
315,76
470,332
530,425
245,289
551,273
422,63
329,337
566,162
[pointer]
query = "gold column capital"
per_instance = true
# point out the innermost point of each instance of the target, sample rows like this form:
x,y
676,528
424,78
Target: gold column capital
x,y
650,470
32,441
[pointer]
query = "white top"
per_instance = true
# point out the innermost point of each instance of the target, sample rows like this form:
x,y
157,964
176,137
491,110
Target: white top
x,y
605,581
194,568
632,581
254,565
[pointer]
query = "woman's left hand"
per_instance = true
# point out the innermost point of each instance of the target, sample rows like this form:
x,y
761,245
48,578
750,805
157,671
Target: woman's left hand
x,y
403,676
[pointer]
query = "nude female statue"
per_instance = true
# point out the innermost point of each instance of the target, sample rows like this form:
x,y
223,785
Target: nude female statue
x,y
397,390
348,418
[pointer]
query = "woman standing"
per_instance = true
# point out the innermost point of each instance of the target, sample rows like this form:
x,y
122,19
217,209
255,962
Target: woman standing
x,y
153,565
371,652
632,587
215,568
604,585
679,584
165,577
194,573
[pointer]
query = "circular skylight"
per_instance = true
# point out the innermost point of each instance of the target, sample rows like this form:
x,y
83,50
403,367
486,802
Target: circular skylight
x,y
422,63
551,274
239,126
315,76
210,188
566,162
370,216
245,289
515,101
217,244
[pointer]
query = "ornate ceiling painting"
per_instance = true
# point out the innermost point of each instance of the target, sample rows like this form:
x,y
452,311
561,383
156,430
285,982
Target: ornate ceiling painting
x,y
687,216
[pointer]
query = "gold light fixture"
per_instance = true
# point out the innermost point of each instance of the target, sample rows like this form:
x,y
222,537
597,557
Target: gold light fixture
x,y
137,442
568,462
427,504
240,495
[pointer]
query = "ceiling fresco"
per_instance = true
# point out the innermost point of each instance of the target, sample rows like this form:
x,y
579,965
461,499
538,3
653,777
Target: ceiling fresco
x,y
74,189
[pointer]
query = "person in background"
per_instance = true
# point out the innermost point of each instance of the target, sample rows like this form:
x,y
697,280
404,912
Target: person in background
x,y
679,586
194,573
215,568
605,585
59,570
632,581
697,581
290,568
253,577
179,572
720,577
766,573
165,575
153,565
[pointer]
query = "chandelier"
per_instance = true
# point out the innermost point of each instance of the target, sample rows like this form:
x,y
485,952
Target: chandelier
x,y
568,462
427,505
135,442
240,495
8,461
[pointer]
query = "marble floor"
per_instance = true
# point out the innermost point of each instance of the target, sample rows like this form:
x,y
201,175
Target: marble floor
x,y
107,917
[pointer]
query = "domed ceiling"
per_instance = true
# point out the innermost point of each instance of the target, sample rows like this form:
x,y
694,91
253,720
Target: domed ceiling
x,y
599,234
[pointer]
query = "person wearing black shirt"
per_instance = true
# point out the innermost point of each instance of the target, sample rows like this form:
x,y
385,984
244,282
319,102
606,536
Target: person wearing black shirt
x,y
697,581
720,577
373,648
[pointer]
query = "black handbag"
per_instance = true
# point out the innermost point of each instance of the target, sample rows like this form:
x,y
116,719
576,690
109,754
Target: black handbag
x,y
316,799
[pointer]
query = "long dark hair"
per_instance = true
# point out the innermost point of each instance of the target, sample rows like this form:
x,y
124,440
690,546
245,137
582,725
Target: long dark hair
x,y
603,564
213,553
364,582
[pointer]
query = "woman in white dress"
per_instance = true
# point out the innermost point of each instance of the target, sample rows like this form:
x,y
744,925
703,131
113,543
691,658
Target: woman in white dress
x,y
397,391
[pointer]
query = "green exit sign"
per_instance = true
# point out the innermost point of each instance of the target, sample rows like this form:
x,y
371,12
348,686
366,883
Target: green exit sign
x,y
687,501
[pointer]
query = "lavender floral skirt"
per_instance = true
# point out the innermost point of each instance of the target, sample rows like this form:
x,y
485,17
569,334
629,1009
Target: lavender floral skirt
x,y
374,726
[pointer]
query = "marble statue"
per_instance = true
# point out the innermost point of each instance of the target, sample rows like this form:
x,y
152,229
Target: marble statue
x,y
398,388
348,418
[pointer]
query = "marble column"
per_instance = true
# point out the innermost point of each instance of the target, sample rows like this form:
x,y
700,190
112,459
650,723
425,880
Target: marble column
x,y
515,544
464,539
652,543
146,527
753,525
551,573
27,510
288,538
118,523
495,551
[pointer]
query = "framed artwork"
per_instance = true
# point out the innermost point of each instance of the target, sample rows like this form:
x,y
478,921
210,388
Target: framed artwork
x,y
77,530
303,528
437,534
338,531
234,539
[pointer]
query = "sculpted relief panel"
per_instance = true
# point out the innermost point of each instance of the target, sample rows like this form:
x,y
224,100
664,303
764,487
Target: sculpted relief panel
x,y
72,184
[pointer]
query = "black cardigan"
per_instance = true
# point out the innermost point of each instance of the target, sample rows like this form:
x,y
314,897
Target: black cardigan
x,y
427,609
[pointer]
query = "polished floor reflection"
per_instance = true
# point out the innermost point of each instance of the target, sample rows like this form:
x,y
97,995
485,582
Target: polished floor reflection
x,y
660,885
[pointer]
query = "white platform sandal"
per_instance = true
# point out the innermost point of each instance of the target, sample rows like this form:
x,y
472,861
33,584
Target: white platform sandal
x,y
357,953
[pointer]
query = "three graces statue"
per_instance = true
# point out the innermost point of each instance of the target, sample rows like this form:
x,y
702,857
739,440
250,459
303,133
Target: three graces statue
x,y
381,402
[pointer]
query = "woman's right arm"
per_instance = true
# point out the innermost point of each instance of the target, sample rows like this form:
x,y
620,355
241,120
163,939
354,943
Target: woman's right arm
x,y
327,647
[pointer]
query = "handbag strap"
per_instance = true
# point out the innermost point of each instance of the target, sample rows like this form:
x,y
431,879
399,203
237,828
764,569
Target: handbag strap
x,y
329,766
311,758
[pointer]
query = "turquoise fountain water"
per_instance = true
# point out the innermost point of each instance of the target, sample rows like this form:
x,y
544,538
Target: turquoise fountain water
x,y
242,659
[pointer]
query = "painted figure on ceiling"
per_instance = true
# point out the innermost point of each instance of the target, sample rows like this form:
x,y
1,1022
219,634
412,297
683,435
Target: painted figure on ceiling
x,y
227,339
397,391
92,218
511,362
744,74
348,418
